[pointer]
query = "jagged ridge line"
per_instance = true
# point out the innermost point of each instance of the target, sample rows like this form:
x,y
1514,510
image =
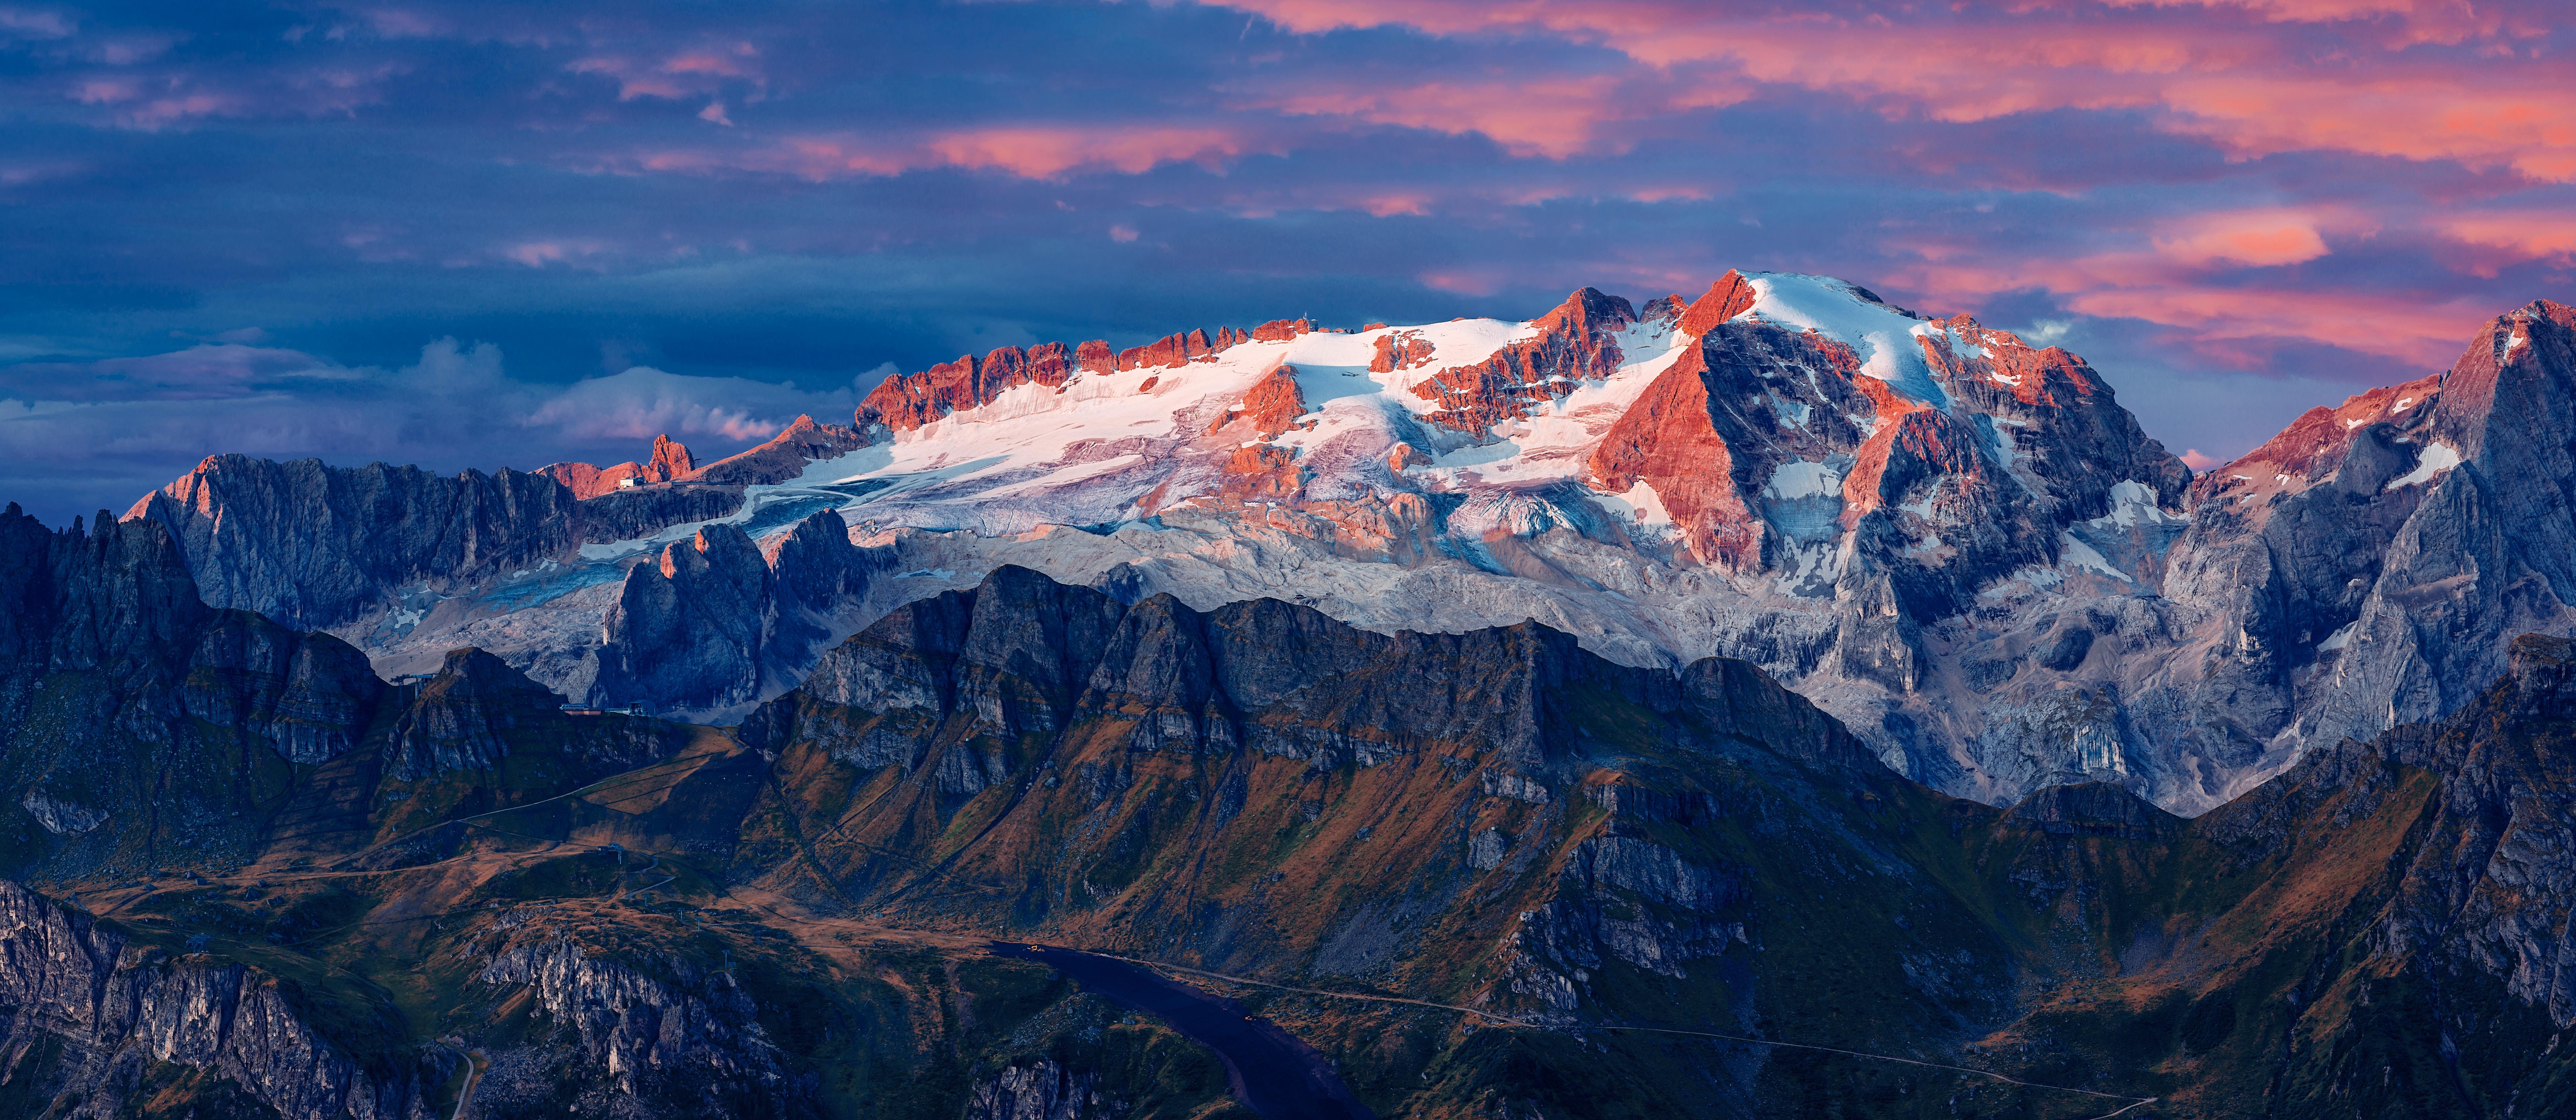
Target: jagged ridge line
x,y
2134,1101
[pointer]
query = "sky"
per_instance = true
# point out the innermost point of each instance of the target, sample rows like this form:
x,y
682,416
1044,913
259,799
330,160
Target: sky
x,y
474,235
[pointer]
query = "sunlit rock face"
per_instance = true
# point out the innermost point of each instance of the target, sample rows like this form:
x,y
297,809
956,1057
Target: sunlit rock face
x,y
1957,542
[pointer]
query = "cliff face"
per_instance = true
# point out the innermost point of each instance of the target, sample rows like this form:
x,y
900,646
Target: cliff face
x,y
717,623
101,1014
2368,566
684,1040
315,546
308,545
134,718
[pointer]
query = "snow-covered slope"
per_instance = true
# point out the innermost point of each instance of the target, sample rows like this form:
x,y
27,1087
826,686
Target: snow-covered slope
x,y
1785,469
1958,543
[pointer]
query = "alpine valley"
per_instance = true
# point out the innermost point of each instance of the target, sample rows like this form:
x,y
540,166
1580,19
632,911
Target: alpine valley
x,y
1770,702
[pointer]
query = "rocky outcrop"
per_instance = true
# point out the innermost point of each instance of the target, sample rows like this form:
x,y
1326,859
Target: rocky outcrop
x,y
1271,406
312,545
1574,344
715,623
670,460
677,1040
783,458
113,1010
1039,1089
637,512
907,401
688,631
465,717
308,697
1400,350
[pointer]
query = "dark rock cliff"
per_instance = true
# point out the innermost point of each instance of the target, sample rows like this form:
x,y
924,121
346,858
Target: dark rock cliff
x,y
310,545
132,717
99,1018
716,623
314,546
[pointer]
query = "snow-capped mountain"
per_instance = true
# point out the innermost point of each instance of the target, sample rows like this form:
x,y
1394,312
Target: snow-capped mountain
x,y
1958,543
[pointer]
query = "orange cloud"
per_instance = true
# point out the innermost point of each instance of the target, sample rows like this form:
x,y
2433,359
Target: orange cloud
x,y
2247,75
2249,237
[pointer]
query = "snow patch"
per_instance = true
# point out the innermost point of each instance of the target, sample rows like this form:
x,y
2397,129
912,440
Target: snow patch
x,y
2074,554
2437,458
2133,503
1803,480
1639,505
1791,413
1883,337
2340,638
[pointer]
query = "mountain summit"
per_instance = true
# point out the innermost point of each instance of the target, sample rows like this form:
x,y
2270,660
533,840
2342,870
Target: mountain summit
x,y
1956,542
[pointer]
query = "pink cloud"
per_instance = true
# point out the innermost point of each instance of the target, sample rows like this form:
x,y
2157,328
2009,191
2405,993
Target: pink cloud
x,y
2390,325
1044,152
2250,77
1029,151
2247,237
1554,118
691,72
1467,281
2514,237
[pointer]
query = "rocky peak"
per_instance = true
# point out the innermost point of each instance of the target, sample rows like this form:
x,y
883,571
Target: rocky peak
x,y
1272,405
1576,342
463,718
2372,561
1956,459
116,596
671,459
714,622
1280,330
1727,297
784,457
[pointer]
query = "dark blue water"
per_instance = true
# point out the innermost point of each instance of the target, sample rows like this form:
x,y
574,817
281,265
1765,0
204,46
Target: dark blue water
x,y
1272,1072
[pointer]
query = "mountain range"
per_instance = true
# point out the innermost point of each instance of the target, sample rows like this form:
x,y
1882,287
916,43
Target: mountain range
x,y
1702,707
